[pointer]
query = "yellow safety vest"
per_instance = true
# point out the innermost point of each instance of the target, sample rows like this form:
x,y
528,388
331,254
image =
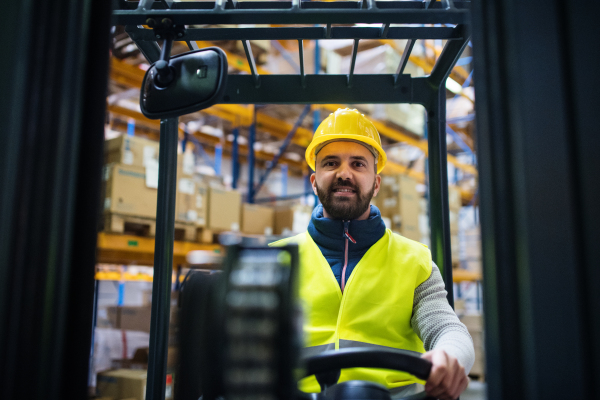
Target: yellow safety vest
x,y
375,309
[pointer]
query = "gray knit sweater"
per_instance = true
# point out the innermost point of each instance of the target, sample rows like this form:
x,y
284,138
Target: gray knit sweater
x,y
437,324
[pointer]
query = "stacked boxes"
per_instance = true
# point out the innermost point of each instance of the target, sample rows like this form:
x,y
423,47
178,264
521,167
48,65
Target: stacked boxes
x,y
131,150
424,226
398,200
126,191
132,180
224,209
131,176
191,204
292,220
257,220
128,384
137,318
474,323
470,239
455,203
471,249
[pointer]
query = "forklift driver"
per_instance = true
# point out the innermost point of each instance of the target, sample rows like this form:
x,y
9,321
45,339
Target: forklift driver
x,y
363,285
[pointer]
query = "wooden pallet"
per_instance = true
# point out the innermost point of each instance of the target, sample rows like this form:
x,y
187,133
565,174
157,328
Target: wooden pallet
x,y
143,226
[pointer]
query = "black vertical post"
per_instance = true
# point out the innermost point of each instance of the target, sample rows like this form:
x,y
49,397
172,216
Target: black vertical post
x,y
94,323
163,260
537,143
438,189
235,161
52,114
251,140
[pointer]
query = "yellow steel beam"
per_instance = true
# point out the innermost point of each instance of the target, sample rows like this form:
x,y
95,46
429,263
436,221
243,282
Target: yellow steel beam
x,y
116,248
462,275
458,70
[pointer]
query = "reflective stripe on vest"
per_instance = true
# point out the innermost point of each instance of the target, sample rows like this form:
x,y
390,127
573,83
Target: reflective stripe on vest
x,y
346,344
375,308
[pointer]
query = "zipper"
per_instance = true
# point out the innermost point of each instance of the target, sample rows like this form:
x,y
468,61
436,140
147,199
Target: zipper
x,y
347,237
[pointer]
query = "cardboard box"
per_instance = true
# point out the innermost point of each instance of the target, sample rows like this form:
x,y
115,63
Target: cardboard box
x,y
224,209
291,220
131,150
454,247
186,163
257,220
127,384
477,339
454,198
135,318
473,322
283,220
453,217
191,201
400,201
122,384
126,191
478,368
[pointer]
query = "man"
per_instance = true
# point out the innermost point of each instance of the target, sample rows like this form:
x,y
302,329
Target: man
x,y
363,285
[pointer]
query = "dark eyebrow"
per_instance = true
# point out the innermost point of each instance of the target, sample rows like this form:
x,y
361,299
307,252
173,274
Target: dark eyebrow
x,y
330,157
360,158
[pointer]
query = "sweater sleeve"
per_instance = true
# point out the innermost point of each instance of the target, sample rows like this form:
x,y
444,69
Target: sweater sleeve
x,y
436,323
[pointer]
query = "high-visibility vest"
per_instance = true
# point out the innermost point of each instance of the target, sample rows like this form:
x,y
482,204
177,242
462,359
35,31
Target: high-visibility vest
x,y
375,309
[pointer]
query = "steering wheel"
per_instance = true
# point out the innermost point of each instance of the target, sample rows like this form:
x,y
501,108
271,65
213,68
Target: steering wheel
x,y
327,368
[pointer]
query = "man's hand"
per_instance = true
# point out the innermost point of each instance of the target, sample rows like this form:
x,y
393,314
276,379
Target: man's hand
x,y
447,379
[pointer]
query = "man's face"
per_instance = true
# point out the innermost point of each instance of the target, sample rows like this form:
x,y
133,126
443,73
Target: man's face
x,y
345,180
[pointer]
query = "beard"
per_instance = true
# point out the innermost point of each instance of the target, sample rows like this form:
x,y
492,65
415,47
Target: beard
x,y
344,208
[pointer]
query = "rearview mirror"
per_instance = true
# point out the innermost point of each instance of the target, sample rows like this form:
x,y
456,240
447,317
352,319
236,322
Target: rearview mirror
x,y
187,83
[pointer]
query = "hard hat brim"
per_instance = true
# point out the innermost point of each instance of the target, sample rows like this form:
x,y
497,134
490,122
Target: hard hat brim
x,y
310,150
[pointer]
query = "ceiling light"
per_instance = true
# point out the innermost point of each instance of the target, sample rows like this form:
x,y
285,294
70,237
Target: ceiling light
x,y
453,86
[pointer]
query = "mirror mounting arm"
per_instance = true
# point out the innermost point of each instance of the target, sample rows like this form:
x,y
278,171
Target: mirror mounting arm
x,y
165,75
164,29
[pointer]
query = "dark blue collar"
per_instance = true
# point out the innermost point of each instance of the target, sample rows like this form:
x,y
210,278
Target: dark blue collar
x,y
328,234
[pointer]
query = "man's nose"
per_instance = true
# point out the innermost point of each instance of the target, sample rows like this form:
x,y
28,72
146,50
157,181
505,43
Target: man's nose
x,y
344,172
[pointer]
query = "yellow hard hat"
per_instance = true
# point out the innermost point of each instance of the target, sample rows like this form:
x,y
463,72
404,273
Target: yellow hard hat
x,y
346,125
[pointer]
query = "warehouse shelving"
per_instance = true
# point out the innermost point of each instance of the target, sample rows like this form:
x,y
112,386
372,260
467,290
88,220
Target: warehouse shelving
x,y
179,20
238,114
128,249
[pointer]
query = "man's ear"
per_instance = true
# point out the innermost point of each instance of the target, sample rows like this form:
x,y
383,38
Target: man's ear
x,y
377,185
313,183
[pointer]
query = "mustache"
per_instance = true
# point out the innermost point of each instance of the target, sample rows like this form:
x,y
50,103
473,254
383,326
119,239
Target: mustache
x,y
344,185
